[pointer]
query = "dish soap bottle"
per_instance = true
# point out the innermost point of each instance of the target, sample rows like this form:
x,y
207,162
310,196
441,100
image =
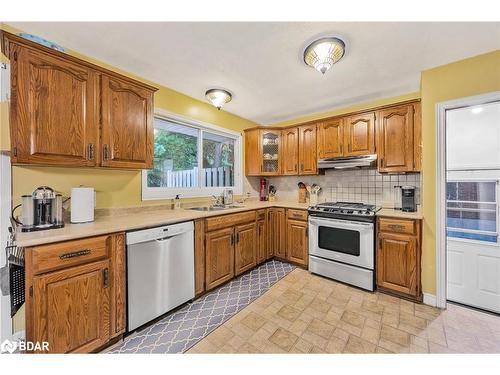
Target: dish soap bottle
x,y
177,202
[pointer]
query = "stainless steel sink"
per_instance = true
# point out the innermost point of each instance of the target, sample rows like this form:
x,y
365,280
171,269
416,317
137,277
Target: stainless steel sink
x,y
214,208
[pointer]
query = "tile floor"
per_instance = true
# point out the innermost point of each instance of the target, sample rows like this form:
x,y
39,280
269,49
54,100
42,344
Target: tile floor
x,y
178,331
305,313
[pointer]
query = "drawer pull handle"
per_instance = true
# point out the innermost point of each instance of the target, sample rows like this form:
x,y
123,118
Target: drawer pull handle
x,y
297,215
396,226
74,254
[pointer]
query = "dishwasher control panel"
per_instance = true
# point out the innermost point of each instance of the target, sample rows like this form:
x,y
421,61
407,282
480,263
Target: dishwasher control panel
x,y
158,232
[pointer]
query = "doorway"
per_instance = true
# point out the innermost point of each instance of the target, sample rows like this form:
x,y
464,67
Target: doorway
x,y
468,199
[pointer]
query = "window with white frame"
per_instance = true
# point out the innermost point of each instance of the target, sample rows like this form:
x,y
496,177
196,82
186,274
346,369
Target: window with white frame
x,y
192,159
472,210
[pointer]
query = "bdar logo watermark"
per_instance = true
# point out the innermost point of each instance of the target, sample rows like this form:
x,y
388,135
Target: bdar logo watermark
x,y
22,346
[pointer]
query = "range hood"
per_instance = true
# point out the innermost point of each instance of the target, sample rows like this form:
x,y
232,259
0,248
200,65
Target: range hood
x,y
348,162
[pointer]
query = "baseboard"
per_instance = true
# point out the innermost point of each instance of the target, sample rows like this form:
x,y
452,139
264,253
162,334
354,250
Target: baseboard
x,y
430,299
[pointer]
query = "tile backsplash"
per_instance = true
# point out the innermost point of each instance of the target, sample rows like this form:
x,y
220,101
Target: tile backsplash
x,y
359,185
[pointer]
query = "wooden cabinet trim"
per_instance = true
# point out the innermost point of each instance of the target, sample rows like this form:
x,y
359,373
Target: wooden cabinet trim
x,y
199,257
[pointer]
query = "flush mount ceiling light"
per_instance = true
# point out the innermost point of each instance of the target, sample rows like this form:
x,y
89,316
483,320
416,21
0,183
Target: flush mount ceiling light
x,y
218,97
323,53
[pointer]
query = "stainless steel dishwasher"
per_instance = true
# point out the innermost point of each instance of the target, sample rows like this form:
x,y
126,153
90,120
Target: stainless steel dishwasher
x,y
160,271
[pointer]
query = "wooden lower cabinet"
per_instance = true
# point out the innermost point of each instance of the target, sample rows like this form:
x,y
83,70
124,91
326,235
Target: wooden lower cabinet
x,y
398,259
78,308
297,241
262,240
245,248
277,232
219,253
71,308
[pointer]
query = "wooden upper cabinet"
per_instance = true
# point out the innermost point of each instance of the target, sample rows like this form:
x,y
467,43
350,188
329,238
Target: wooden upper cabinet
x,y
290,151
395,139
219,253
252,152
359,134
270,152
62,107
127,125
54,118
262,152
245,248
308,159
71,308
331,138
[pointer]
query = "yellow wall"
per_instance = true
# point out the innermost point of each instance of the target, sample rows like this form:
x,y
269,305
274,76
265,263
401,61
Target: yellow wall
x,y
352,108
473,76
114,187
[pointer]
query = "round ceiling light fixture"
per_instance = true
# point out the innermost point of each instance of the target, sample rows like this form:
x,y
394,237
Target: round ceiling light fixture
x,y
323,53
218,97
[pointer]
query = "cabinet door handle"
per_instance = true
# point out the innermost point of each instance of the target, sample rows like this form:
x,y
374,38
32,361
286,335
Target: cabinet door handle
x,y
105,278
90,151
237,237
341,148
350,147
105,152
302,167
74,254
232,239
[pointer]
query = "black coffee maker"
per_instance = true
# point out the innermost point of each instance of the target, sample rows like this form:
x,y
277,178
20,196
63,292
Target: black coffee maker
x,y
408,199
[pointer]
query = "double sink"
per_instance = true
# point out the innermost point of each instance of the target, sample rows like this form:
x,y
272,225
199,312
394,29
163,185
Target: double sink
x,y
215,207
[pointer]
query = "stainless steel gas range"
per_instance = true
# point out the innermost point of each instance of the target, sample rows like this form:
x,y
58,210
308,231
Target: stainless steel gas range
x,y
341,242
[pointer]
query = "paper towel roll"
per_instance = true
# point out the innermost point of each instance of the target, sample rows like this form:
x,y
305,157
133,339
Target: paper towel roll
x,y
82,204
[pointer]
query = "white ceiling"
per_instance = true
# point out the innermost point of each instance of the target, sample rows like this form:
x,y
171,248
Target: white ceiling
x,y
261,63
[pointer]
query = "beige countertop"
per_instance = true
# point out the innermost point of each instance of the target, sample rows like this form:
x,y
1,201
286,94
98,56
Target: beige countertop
x,y
125,219
391,212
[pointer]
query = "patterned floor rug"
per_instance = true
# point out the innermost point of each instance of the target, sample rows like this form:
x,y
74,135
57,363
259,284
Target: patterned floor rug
x,y
179,331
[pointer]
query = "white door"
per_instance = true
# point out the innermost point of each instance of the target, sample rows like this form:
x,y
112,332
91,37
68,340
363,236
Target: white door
x,y
472,214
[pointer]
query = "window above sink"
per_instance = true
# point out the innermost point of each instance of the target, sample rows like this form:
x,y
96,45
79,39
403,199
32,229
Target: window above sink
x,y
192,159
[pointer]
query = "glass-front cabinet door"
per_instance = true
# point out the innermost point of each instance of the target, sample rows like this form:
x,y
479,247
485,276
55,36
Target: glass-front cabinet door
x,y
270,152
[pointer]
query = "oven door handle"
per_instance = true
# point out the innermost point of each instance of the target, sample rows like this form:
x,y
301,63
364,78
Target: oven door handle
x,y
340,223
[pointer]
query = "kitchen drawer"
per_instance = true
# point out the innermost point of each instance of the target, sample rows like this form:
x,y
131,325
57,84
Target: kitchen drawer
x,y
66,254
296,214
224,221
261,215
397,225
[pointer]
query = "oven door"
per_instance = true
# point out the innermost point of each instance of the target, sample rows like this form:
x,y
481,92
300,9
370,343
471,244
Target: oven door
x,y
349,242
